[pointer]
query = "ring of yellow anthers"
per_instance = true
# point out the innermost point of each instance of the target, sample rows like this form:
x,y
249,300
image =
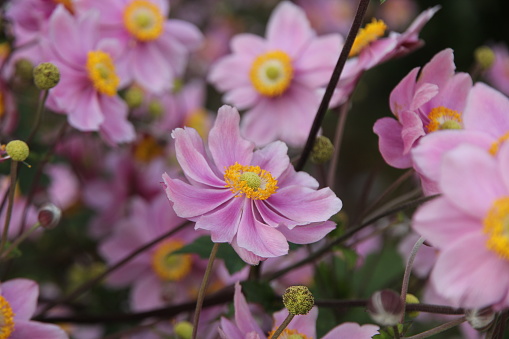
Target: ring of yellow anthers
x,y
251,181
443,118
289,334
496,145
6,319
366,35
169,266
101,72
272,73
496,225
144,20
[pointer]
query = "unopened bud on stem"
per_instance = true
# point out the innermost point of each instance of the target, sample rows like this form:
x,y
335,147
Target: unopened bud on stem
x,y
298,300
46,76
49,215
18,150
385,307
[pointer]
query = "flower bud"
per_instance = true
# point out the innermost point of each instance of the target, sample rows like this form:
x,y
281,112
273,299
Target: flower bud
x,y
385,307
134,97
46,76
480,319
484,56
18,150
183,330
49,215
412,299
298,300
24,69
322,151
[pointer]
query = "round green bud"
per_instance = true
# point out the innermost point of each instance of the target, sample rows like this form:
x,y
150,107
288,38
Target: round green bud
x,y
322,151
18,150
484,56
24,69
298,300
134,97
183,330
412,299
46,76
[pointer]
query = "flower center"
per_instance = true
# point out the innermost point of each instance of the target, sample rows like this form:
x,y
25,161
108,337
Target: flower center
x,y
496,225
6,319
101,71
443,118
252,181
496,145
168,266
144,20
366,35
271,73
289,334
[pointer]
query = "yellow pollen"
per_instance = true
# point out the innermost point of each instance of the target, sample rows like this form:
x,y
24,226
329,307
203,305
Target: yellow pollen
x,y
289,334
6,319
366,35
147,149
251,181
496,145
443,118
496,225
168,266
101,71
144,20
271,73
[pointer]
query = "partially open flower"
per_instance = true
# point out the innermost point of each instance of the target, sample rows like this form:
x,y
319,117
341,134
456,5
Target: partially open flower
x,y
385,307
49,215
480,319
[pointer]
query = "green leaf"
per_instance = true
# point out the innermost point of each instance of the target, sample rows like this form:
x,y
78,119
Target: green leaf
x,y
261,293
231,259
201,246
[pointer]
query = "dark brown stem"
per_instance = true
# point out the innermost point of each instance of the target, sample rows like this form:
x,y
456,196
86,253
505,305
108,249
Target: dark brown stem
x,y
12,189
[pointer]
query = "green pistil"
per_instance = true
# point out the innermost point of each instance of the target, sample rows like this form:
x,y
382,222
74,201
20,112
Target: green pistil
x,y
252,179
451,124
272,72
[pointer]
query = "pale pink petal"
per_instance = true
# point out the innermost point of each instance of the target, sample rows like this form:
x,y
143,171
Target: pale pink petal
x,y
32,329
412,129
87,114
419,23
22,295
288,29
243,317
242,97
115,127
230,72
192,157
424,92
272,158
186,33
63,28
146,293
290,177
470,179
149,68
503,163
248,44
260,124
248,256
390,143
486,111
453,94
190,201
225,143
440,69
403,94
352,330
469,275
223,223
441,223
309,233
229,330
303,324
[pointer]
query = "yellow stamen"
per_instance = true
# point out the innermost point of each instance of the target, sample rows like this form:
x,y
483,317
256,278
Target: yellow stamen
x,y
443,118
6,319
252,181
496,145
168,266
147,149
496,225
144,20
271,73
289,334
101,71
366,35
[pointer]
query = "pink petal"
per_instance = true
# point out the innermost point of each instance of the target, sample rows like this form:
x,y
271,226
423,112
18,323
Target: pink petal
x,y
33,329
243,317
411,129
469,275
352,330
249,44
303,324
272,158
441,223
150,68
63,31
424,92
146,293
503,163
115,127
242,97
288,29
223,223
190,201
225,143
390,143
259,124
230,72
187,34
192,157
486,111
307,234
87,114
22,295
229,330
439,69
248,256
290,177
470,180
453,95
403,94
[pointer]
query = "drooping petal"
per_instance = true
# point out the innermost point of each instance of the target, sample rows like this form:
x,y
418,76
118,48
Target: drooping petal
x,y
307,234
352,330
223,223
390,143
243,317
32,329
248,256
22,295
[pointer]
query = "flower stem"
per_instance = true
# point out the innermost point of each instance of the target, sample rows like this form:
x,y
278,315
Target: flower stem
x,y
12,189
201,292
283,325
395,329
19,240
408,271
38,115
329,90
439,329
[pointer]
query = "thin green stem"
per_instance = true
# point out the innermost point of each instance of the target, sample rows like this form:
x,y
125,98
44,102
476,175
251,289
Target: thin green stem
x,y
408,271
283,325
12,189
439,329
201,292
19,240
38,115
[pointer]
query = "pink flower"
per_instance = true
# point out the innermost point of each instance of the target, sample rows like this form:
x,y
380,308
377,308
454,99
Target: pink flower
x,y
485,125
153,50
277,79
18,301
467,224
245,326
87,91
18,208
432,102
251,199
498,74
